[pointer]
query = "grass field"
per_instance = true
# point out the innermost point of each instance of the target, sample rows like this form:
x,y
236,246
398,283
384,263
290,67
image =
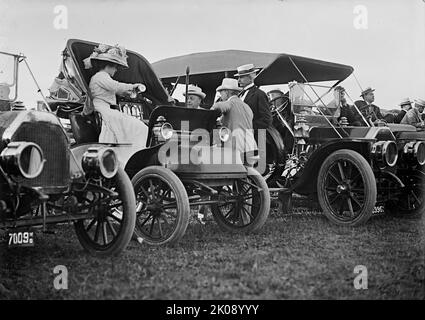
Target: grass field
x,y
299,256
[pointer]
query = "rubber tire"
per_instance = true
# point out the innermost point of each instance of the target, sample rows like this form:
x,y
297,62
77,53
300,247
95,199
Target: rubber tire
x,y
368,179
262,215
391,210
126,194
180,193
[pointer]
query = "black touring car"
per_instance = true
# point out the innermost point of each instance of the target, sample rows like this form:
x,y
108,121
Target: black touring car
x,y
350,170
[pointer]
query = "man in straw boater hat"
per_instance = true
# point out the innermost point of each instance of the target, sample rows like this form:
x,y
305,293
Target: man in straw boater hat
x,y
254,97
370,112
117,127
237,116
414,115
405,105
194,97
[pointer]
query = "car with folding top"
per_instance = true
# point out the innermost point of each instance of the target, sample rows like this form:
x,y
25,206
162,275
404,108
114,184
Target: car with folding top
x,y
185,165
350,170
44,181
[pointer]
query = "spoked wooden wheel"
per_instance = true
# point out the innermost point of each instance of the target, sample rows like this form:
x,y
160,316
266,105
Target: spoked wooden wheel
x,y
411,201
112,227
243,206
162,206
346,188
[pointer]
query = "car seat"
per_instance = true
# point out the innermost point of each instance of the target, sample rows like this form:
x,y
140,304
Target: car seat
x,y
86,128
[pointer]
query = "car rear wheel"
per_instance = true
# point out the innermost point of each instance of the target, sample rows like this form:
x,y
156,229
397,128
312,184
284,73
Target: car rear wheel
x,y
110,230
346,188
411,201
162,206
244,206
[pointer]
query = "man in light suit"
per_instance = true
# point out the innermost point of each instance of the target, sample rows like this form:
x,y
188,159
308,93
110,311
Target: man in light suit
x,y
254,97
237,116
405,106
414,115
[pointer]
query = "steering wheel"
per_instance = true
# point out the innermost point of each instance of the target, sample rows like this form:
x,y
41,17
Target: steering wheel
x,y
280,108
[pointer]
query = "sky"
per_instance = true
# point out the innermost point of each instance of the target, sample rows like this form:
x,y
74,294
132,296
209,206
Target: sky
x,y
384,40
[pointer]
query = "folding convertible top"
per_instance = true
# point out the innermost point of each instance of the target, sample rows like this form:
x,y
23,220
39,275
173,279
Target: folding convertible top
x,y
139,71
207,69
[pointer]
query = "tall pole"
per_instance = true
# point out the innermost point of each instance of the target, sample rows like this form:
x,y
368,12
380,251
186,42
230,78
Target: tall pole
x,y
187,84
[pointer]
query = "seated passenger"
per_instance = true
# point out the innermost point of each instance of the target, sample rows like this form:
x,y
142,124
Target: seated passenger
x,y
339,108
414,115
405,106
350,113
278,99
117,127
334,107
370,112
194,97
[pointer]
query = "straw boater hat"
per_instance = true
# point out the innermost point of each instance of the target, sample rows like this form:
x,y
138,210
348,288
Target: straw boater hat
x,y
229,84
405,101
194,90
420,102
115,54
245,70
366,91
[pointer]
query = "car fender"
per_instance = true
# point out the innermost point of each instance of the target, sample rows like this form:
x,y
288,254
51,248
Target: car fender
x,y
307,181
275,139
141,159
124,152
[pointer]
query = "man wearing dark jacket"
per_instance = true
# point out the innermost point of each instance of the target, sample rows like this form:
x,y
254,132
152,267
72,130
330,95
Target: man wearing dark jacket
x,y
370,112
254,97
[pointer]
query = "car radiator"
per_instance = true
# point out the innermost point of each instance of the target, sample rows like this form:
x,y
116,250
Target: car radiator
x,y
55,145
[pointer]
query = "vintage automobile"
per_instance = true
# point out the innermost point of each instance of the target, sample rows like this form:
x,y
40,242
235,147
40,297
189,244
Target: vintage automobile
x,y
207,69
350,170
46,181
184,164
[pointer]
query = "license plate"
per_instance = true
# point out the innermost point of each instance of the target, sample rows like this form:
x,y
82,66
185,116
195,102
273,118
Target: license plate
x,y
20,238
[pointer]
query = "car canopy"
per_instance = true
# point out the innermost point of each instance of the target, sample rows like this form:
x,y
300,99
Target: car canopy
x,y
207,69
139,71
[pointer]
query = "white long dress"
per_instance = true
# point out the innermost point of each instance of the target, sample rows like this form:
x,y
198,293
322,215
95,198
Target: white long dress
x,y
117,127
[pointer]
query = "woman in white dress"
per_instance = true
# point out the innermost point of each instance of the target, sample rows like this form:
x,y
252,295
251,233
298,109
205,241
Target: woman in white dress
x,y
117,127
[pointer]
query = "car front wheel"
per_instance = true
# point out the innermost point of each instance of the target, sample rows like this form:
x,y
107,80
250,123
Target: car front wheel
x,y
411,201
162,206
111,228
346,188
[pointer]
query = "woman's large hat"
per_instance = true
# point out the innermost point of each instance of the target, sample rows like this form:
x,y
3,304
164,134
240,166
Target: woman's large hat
x,y
115,54
245,70
229,84
194,90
